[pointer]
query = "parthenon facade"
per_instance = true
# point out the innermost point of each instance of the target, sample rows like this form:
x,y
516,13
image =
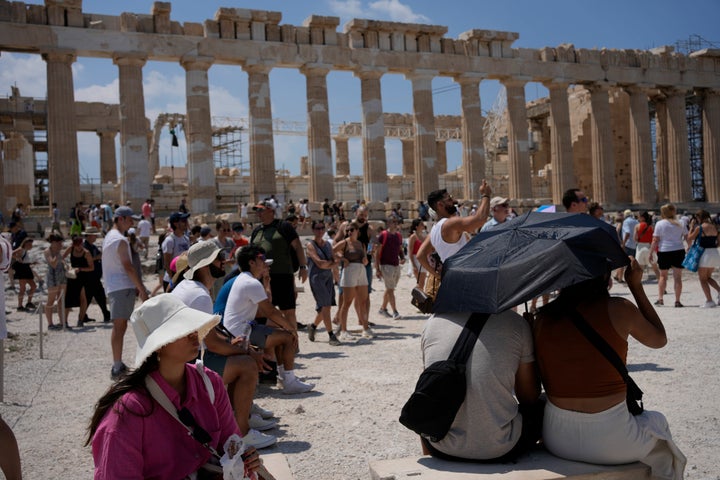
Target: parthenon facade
x,y
256,41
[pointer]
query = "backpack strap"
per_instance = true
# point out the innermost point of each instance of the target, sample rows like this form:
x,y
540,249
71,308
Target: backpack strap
x,y
466,342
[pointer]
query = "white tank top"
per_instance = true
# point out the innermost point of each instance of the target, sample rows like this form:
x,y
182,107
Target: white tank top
x,y
443,248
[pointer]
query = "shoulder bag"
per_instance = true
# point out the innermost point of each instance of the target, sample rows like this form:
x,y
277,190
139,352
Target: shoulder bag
x,y
440,390
692,257
634,394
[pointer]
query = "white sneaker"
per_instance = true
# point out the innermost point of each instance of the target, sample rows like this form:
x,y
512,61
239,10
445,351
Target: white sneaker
x,y
396,315
709,304
384,312
368,333
294,386
258,440
346,337
258,410
256,422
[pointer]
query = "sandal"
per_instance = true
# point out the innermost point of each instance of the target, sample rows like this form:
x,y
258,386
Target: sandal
x,y
678,305
659,302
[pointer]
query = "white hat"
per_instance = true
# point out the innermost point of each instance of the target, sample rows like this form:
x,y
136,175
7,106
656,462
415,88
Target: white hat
x,y
200,254
163,319
497,201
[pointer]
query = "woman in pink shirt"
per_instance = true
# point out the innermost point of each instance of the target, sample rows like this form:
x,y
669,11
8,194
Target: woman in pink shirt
x,y
132,435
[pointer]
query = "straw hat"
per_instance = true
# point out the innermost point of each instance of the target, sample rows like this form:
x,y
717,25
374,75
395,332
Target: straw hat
x,y
163,319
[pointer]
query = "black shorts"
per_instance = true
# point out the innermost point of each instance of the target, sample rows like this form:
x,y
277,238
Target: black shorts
x,y
670,259
282,286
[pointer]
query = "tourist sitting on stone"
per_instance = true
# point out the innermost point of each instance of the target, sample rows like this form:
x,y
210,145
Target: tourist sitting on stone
x,y
491,425
132,435
586,416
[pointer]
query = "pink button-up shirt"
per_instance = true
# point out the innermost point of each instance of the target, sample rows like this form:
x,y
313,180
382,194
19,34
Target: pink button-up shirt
x,y
137,438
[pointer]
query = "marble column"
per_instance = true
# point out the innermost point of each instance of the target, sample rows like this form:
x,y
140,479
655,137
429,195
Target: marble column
x,y
711,144
320,178
375,186
134,164
408,156
63,161
561,153
441,162
641,171
108,161
473,154
603,161
342,156
426,179
661,160
520,181
262,149
198,129
677,147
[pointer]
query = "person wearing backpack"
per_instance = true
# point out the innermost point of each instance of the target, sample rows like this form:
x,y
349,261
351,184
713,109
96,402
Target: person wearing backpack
x,y
388,263
280,241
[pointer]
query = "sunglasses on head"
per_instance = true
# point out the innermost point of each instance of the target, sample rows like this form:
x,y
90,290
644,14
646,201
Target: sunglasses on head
x,y
260,256
199,433
583,199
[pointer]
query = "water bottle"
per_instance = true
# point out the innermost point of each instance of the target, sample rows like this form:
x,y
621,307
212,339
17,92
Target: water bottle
x,y
244,335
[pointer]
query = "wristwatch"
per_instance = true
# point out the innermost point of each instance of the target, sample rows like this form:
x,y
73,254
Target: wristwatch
x,y
303,267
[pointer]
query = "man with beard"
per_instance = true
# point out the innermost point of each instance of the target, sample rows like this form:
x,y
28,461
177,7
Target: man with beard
x,y
365,234
451,232
237,364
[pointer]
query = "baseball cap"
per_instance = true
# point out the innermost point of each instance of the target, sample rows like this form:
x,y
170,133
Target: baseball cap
x,y
123,212
177,216
497,201
262,205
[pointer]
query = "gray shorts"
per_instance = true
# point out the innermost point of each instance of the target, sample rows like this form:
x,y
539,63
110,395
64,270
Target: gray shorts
x,y
391,275
122,303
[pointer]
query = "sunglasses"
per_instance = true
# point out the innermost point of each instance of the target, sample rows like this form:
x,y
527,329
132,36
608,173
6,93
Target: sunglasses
x,y
583,199
226,230
260,256
199,433
318,228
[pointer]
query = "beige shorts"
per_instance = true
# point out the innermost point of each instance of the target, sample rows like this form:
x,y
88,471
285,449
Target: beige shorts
x,y
353,275
391,275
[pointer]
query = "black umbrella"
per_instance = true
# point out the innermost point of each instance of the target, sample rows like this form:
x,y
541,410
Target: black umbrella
x,y
533,254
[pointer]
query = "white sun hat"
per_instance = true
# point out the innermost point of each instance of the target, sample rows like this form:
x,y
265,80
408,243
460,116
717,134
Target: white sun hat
x,y
200,254
163,319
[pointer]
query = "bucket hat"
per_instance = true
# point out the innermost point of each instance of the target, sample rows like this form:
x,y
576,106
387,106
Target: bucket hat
x,y
163,319
200,254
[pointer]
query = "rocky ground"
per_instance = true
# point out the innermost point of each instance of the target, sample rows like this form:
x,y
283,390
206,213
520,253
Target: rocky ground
x,y
351,417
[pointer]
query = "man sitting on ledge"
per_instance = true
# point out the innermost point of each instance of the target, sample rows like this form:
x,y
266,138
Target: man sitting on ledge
x,y
490,425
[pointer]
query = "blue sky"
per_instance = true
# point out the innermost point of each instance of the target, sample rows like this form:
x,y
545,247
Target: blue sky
x,y
612,24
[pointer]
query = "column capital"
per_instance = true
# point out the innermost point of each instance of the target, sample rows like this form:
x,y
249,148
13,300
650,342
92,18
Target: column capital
x,y
365,73
469,78
315,69
708,92
133,59
637,88
196,62
515,81
421,74
59,55
106,133
258,66
593,87
675,90
556,84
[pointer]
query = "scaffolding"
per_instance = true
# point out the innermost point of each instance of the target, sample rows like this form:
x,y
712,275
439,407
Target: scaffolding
x,y
693,44
227,148
693,113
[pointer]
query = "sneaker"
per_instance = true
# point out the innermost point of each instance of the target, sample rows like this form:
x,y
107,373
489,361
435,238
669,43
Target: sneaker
x,y
294,386
30,306
384,313
115,373
54,326
709,304
333,340
258,440
20,309
396,315
659,302
258,410
88,319
256,422
311,332
368,333
678,305
106,317
301,326
346,337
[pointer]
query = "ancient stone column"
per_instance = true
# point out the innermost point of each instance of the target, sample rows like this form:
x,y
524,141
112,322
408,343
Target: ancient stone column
x,y
108,161
375,186
473,156
426,179
342,156
198,129
441,162
677,147
603,162
262,150
711,144
18,179
643,185
63,162
320,177
561,153
520,181
408,156
134,164
661,159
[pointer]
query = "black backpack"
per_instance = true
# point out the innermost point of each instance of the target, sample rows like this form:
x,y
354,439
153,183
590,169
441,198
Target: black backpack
x,y
440,390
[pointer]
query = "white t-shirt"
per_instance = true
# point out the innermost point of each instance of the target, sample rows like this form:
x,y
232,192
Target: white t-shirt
x,y
242,304
670,236
174,245
194,295
443,248
114,275
144,228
